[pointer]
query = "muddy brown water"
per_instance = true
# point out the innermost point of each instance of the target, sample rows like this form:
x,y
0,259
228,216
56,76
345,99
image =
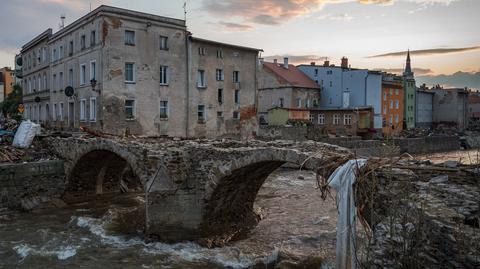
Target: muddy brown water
x,y
297,228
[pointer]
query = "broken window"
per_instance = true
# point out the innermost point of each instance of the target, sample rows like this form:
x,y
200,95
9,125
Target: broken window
x,y
129,38
220,96
236,115
201,113
163,75
164,109
129,109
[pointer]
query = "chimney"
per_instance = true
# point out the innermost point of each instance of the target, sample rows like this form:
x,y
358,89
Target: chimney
x,y
326,63
344,62
312,63
285,63
275,61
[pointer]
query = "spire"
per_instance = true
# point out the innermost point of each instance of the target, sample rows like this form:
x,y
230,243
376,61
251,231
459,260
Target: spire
x,y
408,67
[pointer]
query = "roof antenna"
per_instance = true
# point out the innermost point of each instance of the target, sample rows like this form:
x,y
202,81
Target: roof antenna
x,y
185,11
62,21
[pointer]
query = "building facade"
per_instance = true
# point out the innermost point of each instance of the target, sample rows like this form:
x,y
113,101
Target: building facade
x,y
138,73
344,121
424,108
450,107
7,80
409,94
345,87
285,86
392,104
474,110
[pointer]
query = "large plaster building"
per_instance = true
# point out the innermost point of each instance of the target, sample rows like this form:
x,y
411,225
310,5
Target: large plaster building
x,y
346,87
139,73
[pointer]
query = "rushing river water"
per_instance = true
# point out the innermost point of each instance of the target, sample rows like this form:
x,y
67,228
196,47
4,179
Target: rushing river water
x,y
297,227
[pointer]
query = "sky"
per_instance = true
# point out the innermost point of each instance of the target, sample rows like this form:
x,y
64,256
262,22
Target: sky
x,y
442,35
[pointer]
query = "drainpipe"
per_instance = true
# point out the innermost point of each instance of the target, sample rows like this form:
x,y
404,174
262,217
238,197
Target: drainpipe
x,y
187,78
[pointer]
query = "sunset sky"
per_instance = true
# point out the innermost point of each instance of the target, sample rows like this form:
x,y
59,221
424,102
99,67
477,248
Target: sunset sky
x,y
443,35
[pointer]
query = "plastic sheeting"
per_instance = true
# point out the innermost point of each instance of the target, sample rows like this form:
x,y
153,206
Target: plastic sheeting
x,y
342,180
25,134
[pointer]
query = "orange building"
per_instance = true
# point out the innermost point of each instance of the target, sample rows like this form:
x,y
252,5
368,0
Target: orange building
x,y
6,82
392,104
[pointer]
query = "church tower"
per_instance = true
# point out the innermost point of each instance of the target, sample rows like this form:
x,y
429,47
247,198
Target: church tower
x,y
410,93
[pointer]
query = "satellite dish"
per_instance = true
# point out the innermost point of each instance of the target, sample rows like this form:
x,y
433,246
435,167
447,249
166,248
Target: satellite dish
x,y
69,91
37,99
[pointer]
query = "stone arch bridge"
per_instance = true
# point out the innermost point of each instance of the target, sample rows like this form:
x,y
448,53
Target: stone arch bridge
x,y
194,188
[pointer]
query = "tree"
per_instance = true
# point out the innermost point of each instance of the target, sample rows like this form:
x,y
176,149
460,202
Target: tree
x,y
9,107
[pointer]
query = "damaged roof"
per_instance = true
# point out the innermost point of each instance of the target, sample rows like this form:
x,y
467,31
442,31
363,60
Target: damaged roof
x,y
292,75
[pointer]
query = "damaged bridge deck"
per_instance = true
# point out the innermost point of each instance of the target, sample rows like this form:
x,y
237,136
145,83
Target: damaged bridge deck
x,y
194,189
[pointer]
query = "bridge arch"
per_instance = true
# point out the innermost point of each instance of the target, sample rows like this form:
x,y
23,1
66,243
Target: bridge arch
x,y
232,190
103,167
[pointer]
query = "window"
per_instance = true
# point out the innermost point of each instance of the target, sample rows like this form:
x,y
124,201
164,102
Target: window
x,y
236,115
307,103
397,91
396,104
321,119
83,106
329,72
45,81
201,79
93,38
347,119
299,102
54,82
93,109
60,80
70,48
220,96
163,75
384,109
70,77
237,97
60,112
83,71
312,118
220,54
281,102
201,113
93,70
396,119
219,74
336,119
129,38
391,119
54,112
202,51
82,42
163,43
316,72
130,72
219,114
331,84
391,92
129,109
236,76
55,56
61,52
163,109
39,83
384,96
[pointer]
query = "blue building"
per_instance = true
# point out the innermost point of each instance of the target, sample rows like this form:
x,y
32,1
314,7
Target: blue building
x,y
345,87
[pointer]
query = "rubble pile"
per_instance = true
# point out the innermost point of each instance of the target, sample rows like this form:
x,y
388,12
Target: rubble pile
x,y
419,215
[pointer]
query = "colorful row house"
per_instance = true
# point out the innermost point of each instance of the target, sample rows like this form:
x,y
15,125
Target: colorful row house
x,y
392,105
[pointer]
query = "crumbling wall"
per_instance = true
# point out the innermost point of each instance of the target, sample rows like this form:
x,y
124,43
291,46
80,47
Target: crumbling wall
x,y
27,184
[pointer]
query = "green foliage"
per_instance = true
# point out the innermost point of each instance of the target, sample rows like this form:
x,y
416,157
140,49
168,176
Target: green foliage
x,y
9,107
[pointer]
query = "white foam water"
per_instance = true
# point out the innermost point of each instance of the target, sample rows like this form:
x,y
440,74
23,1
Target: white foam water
x,y
230,257
62,253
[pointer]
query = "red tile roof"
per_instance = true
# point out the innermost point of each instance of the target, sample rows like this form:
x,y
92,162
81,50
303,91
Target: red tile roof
x,y
292,75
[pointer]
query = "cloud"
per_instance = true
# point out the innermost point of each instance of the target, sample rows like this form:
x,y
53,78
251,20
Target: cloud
x,y
336,17
297,59
426,52
459,79
417,71
275,12
235,26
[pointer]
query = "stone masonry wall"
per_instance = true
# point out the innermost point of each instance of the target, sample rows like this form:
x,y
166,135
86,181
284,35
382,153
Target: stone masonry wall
x,y
27,183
